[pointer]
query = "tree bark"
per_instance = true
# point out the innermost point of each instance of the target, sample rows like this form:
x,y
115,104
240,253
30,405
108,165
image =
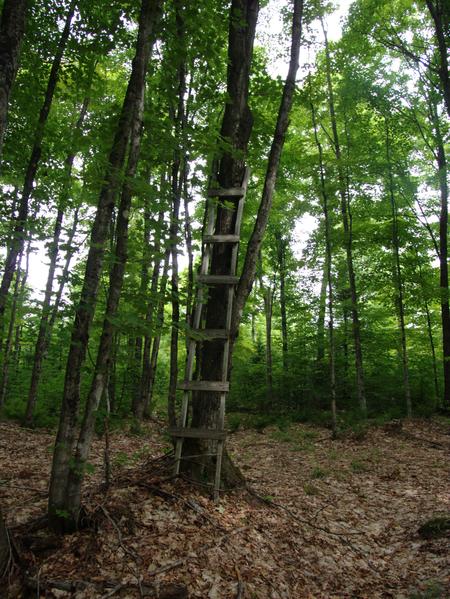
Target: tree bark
x,y
347,236
12,29
178,177
59,515
440,13
103,362
235,131
398,275
328,269
43,333
236,127
441,159
140,399
20,227
157,339
256,238
282,244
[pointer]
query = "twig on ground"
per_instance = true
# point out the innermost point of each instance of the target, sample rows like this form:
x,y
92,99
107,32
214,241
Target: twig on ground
x,y
240,585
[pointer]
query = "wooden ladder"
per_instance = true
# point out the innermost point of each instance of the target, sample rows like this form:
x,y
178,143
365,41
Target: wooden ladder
x,y
198,334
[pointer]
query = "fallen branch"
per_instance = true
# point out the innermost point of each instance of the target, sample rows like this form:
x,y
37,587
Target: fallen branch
x,y
149,589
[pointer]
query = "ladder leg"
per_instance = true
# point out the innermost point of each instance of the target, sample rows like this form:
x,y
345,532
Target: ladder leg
x,y
220,445
183,419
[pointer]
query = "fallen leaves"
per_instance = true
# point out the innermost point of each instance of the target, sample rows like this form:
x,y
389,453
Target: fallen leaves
x,y
355,536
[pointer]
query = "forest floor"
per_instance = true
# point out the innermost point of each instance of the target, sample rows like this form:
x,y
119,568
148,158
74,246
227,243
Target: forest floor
x,y
334,519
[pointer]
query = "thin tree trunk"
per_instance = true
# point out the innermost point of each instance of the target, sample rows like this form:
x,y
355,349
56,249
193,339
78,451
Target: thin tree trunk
x,y
430,334
141,399
12,29
43,333
22,216
328,267
157,339
268,311
398,276
178,176
9,340
61,467
443,251
64,275
190,252
281,255
347,236
321,320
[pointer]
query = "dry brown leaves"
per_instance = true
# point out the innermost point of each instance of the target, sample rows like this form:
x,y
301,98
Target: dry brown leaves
x,y
340,518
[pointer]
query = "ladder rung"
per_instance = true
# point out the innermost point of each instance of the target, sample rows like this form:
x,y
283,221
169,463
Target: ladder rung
x,y
221,239
206,334
220,386
218,279
197,433
226,192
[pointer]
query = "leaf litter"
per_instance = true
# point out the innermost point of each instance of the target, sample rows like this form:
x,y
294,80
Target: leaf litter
x,y
322,518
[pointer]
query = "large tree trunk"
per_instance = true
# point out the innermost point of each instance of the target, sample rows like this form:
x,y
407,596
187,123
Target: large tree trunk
x,y
59,502
256,238
236,128
103,362
440,13
347,236
12,29
18,240
43,333
398,276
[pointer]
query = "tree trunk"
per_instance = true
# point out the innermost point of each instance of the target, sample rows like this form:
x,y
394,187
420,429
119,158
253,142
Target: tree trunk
x,y
429,333
321,321
256,238
398,275
236,128
12,29
347,236
59,502
4,376
443,252
268,294
64,275
328,267
22,216
282,244
43,333
141,399
157,339
103,362
178,177
440,13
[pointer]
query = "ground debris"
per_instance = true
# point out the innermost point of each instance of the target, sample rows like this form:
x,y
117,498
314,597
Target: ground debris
x,y
334,519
